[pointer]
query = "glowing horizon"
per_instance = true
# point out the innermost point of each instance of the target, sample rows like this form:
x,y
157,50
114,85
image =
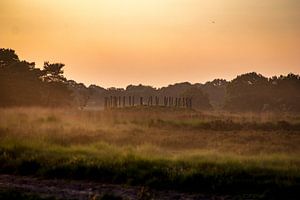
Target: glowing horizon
x,y
114,43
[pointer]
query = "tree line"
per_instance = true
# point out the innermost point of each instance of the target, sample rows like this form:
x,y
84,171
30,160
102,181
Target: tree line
x,y
23,84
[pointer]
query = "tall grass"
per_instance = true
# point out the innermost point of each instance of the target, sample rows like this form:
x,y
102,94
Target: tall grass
x,y
158,148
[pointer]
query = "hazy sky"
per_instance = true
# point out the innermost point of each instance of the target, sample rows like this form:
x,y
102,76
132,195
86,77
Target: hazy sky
x,y
155,42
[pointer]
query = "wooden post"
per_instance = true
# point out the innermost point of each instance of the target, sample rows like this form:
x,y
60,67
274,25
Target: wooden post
x,y
141,101
187,102
111,102
124,101
133,101
105,102
156,100
165,101
115,102
190,104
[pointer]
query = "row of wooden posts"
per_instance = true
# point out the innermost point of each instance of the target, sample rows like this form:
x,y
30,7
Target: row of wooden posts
x,y
129,101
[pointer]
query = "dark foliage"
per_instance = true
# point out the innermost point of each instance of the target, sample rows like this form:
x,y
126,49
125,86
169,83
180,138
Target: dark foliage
x,y
21,84
216,91
254,92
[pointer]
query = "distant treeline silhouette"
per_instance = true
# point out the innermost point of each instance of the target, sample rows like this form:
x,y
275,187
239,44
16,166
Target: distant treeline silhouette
x,y
23,84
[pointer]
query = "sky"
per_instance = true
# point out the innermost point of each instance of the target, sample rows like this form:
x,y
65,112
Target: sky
x,y
114,43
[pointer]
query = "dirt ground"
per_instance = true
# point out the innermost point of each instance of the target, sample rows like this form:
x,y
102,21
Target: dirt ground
x,y
83,190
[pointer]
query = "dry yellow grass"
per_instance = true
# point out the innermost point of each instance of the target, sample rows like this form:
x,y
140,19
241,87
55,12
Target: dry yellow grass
x,y
133,129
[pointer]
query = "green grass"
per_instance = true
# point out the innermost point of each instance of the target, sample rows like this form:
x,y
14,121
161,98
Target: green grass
x,y
161,150
224,125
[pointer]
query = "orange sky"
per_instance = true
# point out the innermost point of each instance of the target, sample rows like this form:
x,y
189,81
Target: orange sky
x,y
155,42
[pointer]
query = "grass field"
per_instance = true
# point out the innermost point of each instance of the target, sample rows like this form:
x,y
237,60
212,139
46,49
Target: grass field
x,y
156,147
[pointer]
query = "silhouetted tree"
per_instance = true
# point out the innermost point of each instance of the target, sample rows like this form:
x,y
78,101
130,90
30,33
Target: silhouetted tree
x,y
22,84
53,72
56,92
254,92
19,80
7,57
216,91
199,99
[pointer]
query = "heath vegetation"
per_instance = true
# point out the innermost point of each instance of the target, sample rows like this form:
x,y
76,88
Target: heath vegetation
x,y
161,148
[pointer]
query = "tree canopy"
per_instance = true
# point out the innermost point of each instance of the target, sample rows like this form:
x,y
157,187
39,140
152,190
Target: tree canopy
x,y
254,92
23,84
